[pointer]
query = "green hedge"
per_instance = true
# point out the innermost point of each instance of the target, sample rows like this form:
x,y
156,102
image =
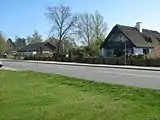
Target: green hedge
x,y
139,60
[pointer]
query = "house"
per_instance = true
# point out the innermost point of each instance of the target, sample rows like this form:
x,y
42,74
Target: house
x,y
39,47
55,42
130,40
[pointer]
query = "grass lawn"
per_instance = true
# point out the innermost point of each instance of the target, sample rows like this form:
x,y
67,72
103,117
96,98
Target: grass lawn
x,y
38,96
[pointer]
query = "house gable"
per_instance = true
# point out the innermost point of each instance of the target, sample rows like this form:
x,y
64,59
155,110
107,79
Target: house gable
x,y
130,39
146,39
48,47
116,38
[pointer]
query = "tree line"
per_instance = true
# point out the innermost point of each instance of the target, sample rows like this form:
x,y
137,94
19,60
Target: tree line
x,y
66,29
8,45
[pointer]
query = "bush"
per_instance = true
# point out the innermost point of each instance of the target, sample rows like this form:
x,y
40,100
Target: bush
x,y
10,57
17,57
132,56
137,60
155,54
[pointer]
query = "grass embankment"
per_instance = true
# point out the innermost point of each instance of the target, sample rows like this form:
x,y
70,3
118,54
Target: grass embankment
x,y
38,96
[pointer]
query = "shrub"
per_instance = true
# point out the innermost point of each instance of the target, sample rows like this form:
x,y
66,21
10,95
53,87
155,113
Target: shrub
x,y
155,54
10,57
140,56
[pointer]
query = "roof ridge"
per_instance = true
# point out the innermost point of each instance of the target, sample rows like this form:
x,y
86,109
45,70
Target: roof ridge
x,y
151,30
135,28
126,26
35,43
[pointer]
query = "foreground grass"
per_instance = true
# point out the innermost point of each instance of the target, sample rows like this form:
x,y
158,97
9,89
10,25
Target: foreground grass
x,y
37,96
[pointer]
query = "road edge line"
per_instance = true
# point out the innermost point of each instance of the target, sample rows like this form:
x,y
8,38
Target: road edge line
x,y
88,65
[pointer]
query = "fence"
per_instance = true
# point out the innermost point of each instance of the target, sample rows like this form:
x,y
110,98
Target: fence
x,y
108,61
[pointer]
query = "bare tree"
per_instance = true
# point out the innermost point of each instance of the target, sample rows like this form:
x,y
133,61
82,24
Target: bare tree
x,y
19,43
85,28
100,31
92,30
63,23
36,37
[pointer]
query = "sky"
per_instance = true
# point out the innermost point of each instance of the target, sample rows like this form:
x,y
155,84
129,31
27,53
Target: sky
x,y
23,17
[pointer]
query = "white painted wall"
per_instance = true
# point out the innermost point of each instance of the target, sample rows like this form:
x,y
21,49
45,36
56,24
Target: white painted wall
x,y
110,52
45,52
137,51
34,53
150,50
27,53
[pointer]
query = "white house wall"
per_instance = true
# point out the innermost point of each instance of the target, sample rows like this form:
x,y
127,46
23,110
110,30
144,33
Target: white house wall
x,y
150,50
32,53
137,51
110,52
27,53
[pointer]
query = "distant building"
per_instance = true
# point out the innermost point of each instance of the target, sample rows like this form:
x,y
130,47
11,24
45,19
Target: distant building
x,y
132,40
56,43
40,47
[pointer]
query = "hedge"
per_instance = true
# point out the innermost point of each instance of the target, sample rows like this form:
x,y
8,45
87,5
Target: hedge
x,y
136,61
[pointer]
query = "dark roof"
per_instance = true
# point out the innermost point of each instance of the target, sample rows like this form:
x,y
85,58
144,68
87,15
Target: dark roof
x,y
34,46
148,38
55,42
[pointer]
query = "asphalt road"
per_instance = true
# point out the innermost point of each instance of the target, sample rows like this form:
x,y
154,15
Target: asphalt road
x,y
138,78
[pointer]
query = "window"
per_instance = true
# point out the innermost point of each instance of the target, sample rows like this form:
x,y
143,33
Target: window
x,y
145,51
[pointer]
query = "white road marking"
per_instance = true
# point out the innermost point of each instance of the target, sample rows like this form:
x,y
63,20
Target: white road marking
x,y
129,74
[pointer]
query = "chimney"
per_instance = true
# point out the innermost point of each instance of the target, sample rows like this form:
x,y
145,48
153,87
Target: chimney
x,y
138,26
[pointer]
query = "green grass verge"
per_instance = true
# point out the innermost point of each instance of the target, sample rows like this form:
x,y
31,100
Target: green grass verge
x,y
38,96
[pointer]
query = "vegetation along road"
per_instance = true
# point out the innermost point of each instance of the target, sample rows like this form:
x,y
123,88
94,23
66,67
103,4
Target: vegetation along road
x,y
138,78
40,96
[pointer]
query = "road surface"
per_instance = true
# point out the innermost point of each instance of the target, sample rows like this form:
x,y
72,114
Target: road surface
x,y
138,78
